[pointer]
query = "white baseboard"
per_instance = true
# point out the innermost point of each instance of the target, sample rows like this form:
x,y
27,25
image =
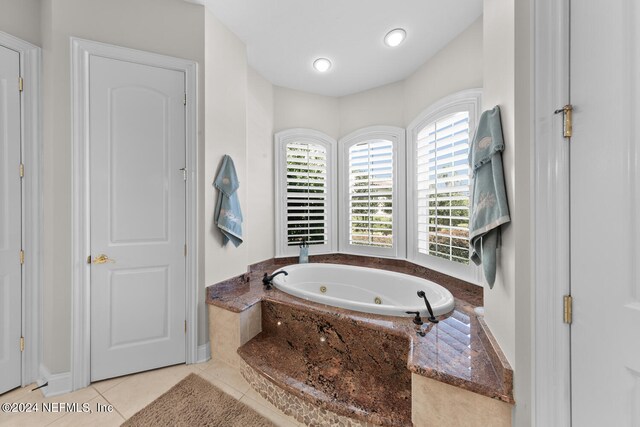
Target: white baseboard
x,y
204,352
58,383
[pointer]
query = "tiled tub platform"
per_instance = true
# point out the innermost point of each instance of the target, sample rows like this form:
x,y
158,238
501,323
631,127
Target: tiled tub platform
x,y
329,366
334,363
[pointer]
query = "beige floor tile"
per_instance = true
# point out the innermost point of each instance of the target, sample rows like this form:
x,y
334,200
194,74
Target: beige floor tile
x,y
222,386
137,391
227,374
104,385
16,394
202,366
270,412
93,419
42,418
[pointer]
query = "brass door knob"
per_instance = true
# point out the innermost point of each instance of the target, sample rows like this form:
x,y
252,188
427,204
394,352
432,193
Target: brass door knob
x,y
101,259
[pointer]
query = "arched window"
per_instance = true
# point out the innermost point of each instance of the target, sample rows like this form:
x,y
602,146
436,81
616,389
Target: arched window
x,y
372,188
305,191
439,184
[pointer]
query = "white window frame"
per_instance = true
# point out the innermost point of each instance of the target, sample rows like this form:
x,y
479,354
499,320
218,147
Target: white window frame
x,y
397,136
314,137
466,100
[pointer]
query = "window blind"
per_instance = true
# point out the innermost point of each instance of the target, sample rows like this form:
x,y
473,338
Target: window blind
x,y
443,188
307,203
371,194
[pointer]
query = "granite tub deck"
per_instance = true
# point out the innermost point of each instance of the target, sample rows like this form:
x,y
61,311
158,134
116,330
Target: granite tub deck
x,y
361,365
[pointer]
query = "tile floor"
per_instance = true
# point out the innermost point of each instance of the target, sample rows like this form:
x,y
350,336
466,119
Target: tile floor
x,y
131,393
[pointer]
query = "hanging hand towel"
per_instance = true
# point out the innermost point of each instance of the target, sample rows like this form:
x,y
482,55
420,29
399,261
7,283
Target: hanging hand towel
x,y
228,216
489,208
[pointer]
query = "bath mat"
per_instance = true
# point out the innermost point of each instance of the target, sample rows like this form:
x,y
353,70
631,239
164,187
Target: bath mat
x,y
194,401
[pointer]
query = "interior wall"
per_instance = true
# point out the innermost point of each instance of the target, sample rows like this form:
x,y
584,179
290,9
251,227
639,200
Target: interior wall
x,y
225,133
102,21
499,89
378,106
508,83
295,109
524,227
21,18
260,169
456,67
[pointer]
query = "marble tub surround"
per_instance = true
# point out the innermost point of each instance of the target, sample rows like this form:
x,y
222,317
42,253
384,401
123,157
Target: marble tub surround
x,y
457,351
335,363
300,409
243,291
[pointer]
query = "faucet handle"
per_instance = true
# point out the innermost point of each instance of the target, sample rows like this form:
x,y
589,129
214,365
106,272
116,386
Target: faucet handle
x,y
417,320
266,281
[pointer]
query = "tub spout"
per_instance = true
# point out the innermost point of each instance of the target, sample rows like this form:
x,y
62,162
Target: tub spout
x,y
431,317
266,279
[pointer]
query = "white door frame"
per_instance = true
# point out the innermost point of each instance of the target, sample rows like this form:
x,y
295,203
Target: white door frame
x,y
81,51
551,375
30,69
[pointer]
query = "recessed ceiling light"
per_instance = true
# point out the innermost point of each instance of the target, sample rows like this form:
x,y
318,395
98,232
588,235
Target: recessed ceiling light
x,y
395,37
322,64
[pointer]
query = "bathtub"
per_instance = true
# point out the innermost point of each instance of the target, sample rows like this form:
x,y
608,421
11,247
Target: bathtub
x,y
367,290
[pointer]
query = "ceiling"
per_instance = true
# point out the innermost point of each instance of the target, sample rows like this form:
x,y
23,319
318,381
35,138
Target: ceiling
x,y
283,37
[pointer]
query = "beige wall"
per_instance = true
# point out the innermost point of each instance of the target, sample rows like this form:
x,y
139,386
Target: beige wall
x,y
456,67
507,83
103,21
21,18
499,89
226,133
260,175
378,106
295,109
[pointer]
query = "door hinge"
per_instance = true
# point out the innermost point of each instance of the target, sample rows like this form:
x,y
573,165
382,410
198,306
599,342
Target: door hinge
x,y
185,249
21,257
21,169
184,100
568,309
20,84
567,120
185,326
21,343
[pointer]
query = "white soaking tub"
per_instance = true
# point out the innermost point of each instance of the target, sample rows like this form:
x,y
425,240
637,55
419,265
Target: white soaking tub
x,y
368,290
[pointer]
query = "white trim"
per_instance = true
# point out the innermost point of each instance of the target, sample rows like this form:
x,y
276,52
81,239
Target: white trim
x,y
57,383
551,347
31,148
467,100
397,136
204,352
281,139
81,52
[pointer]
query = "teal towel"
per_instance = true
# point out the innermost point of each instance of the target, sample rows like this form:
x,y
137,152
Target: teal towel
x,y
227,215
489,207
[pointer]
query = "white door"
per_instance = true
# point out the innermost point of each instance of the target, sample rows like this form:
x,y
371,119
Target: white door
x,y
137,192
605,213
10,221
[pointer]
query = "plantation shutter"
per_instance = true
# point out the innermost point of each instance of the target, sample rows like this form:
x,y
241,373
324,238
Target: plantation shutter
x,y
371,194
443,188
307,194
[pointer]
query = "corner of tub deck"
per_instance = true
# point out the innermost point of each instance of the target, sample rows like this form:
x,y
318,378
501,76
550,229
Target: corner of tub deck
x,y
470,359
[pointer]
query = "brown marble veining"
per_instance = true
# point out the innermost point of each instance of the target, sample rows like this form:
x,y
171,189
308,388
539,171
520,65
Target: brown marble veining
x,y
459,350
342,366
297,407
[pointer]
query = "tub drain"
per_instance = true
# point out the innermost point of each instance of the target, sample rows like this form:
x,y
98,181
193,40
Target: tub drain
x,y
377,300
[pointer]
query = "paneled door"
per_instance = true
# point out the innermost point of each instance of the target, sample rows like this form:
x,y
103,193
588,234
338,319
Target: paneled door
x,y
10,221
137,214
605,213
